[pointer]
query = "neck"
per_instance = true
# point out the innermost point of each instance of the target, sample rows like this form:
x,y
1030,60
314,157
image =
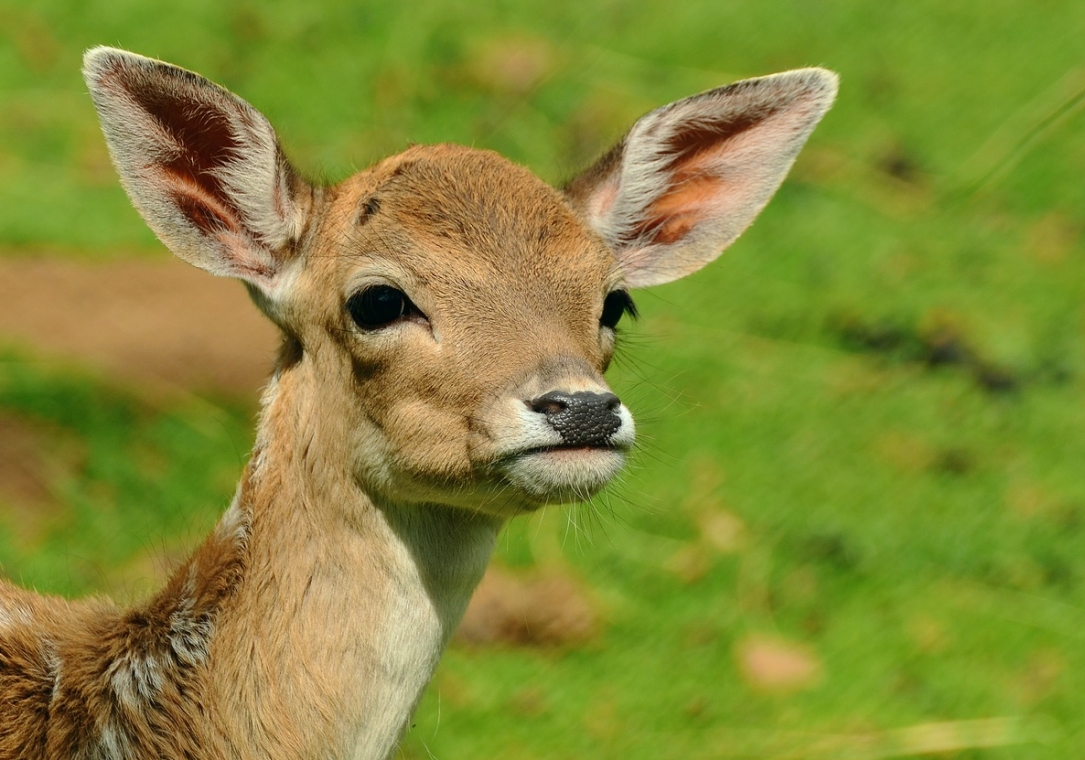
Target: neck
x,y
345,604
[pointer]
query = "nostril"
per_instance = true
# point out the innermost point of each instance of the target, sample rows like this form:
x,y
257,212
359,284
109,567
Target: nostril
x,y
550,404
611,401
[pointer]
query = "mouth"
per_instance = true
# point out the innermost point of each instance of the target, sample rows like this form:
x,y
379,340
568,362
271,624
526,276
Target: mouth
x,y
562,473
567,448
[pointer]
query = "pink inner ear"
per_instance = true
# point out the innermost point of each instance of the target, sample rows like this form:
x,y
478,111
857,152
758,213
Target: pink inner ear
x,y
694,187
715,177
203,209
216,219
693,177
684,205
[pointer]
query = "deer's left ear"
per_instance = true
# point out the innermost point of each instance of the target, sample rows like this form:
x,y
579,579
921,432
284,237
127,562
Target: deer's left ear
x,y
688,178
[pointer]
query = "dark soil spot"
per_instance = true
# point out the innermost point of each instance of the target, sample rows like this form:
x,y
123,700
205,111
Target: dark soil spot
x,y
943,348
541,611
900,165
832,549
954,462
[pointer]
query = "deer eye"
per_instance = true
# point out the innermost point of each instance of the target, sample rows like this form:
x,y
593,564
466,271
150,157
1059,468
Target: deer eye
x,y
617,303
378,306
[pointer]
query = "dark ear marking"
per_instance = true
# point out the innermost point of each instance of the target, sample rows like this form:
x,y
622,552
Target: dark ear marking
x,y
201,213
203,134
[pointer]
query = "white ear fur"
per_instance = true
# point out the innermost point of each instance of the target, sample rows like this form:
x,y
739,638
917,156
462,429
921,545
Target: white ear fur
x,y
202,166
689,177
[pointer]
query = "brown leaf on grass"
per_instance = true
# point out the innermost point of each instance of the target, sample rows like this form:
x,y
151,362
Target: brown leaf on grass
x,y
540,611
719,530
771,664
691,563
722,530
721,533
530,702
943,739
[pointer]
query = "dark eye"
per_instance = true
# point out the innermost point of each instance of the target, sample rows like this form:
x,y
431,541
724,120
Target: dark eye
x,y
379,305
617,303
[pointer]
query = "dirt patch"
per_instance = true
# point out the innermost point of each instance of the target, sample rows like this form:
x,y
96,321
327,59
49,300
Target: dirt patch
x,y
157,321
528,611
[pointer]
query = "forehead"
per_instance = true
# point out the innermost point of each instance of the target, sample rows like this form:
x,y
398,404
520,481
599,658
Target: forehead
x,y
452,212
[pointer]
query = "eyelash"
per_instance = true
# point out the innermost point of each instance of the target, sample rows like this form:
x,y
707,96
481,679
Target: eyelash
x,y
617,304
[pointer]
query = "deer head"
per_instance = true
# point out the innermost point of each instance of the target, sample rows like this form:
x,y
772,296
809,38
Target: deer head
x,y
450,315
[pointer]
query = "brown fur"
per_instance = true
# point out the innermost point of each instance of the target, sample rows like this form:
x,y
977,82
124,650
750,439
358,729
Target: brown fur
x,y
77,681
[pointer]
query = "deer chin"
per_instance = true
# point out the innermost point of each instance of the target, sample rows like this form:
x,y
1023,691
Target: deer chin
x,y
561,474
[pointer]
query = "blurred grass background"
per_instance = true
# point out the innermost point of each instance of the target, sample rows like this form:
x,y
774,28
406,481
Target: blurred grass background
x,y
857,526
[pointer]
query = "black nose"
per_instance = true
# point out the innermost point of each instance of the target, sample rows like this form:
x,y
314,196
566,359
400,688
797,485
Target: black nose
x,y
582,419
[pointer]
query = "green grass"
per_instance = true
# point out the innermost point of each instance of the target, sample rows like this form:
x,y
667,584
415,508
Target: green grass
x,y
919,526
132,482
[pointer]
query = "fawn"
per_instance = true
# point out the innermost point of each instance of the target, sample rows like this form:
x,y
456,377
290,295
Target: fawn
x,y
446,321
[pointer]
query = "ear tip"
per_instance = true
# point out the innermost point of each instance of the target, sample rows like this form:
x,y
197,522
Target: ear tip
x,y
813,87
821,83
100,60
99,57
823,79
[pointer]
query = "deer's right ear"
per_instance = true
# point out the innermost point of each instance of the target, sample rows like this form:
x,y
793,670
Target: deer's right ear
x,y
202,166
